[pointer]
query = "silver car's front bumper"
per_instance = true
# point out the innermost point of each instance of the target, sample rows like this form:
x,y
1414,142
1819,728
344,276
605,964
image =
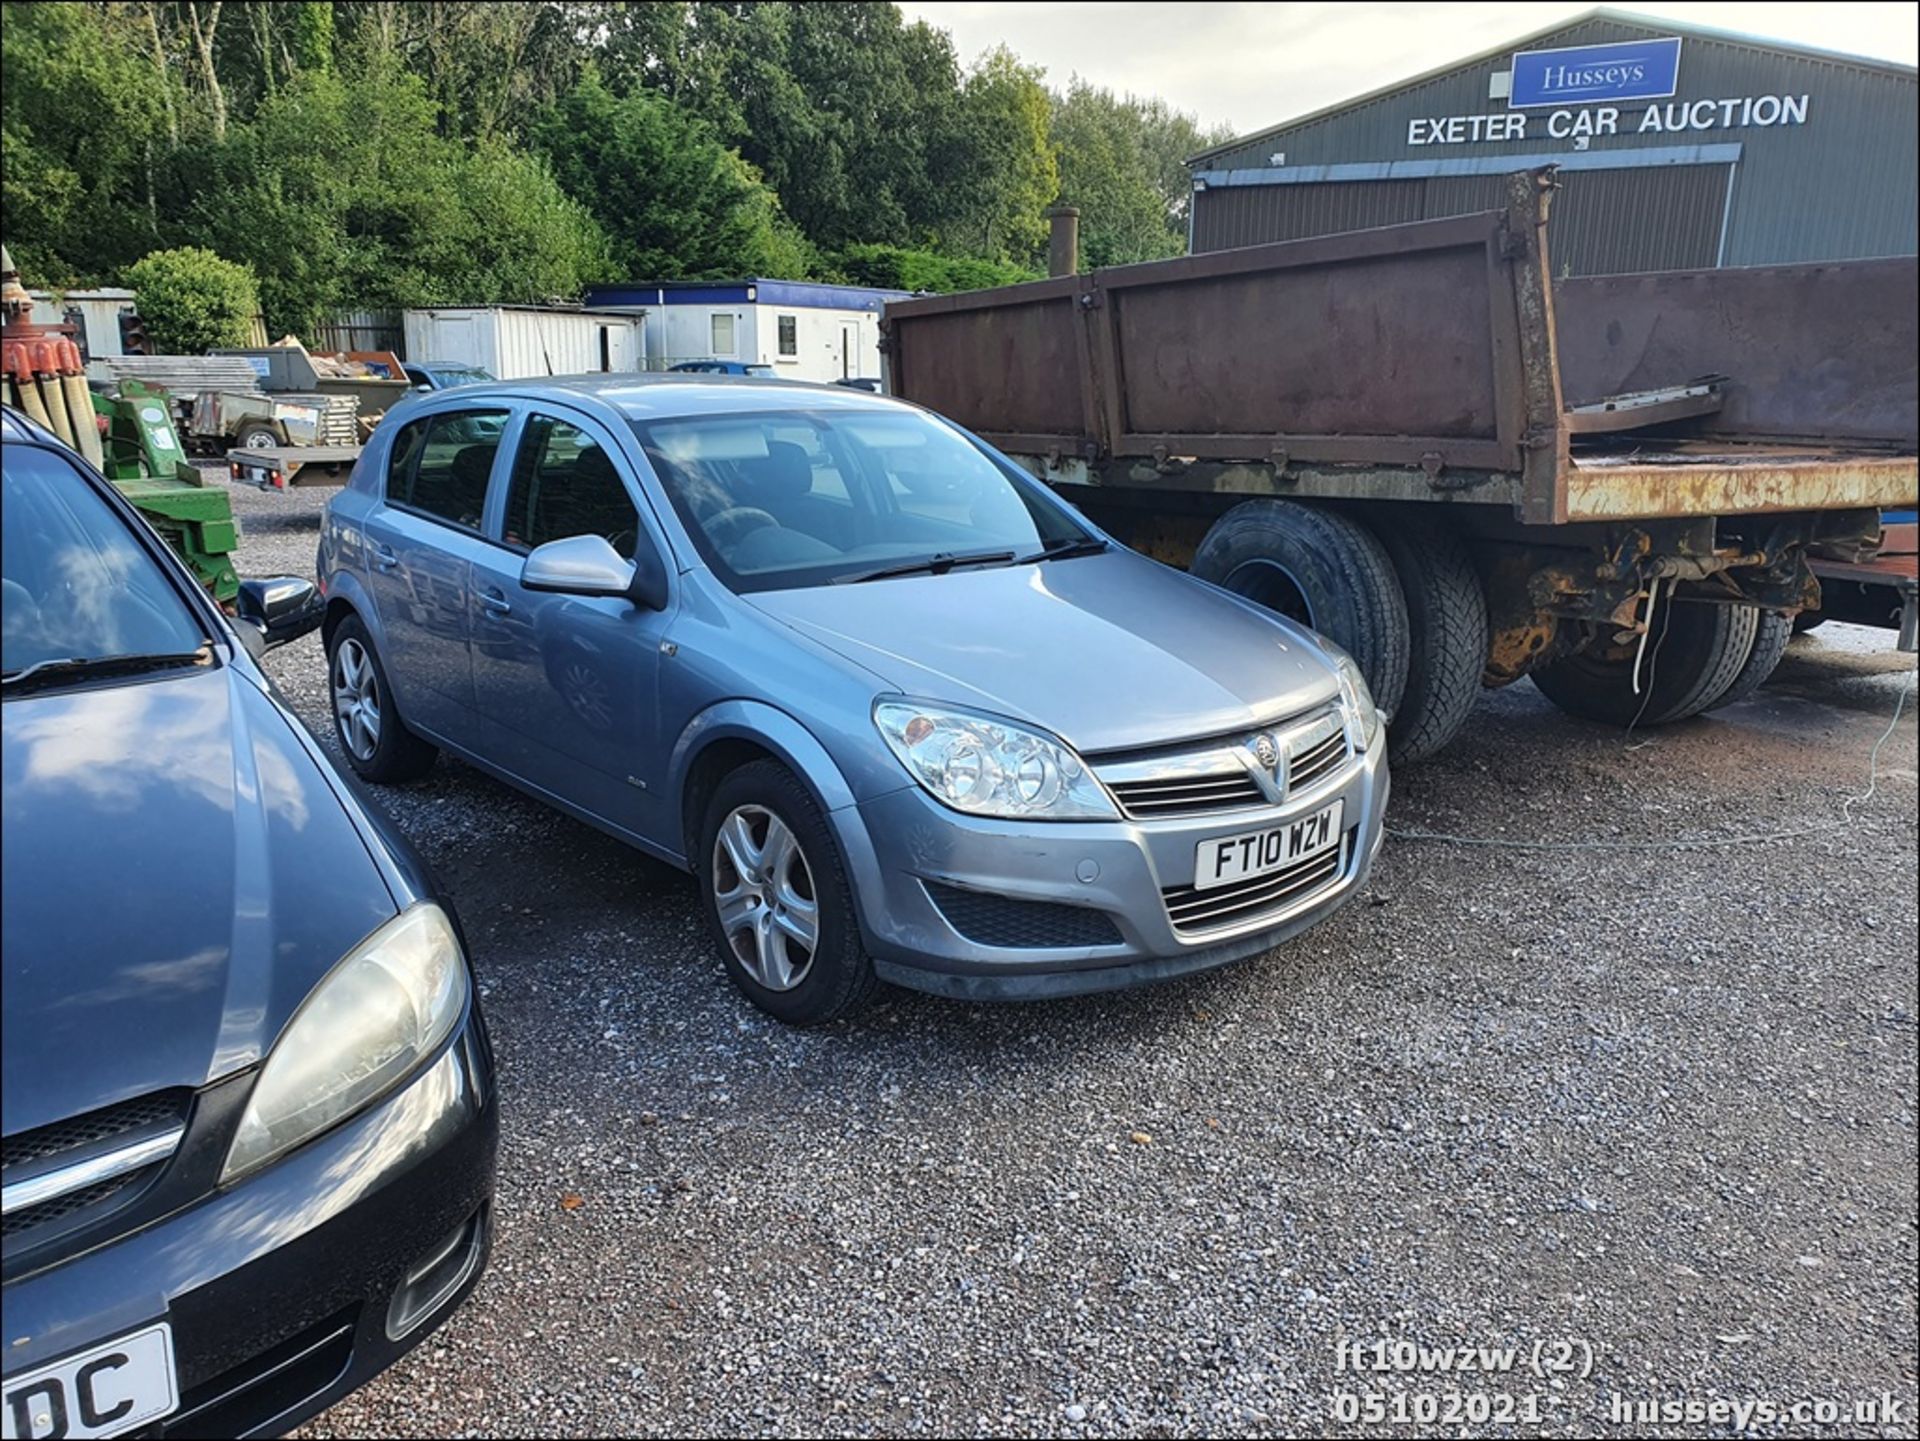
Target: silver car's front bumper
x,y
908,842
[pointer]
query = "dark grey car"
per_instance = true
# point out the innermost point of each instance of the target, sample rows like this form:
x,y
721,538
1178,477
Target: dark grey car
x,y
903,713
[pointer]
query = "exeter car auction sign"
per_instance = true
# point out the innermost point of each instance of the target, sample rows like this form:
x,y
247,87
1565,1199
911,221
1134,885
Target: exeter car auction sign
x,y
1589,91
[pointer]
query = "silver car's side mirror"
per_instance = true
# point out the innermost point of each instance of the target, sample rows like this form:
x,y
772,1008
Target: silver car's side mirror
x,y
578,565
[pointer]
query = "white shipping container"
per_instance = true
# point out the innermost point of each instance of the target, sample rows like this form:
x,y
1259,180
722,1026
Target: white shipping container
x,y
512,342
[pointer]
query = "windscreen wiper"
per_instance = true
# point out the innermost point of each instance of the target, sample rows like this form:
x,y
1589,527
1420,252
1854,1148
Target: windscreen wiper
x,y
1063,549
79,667
932,565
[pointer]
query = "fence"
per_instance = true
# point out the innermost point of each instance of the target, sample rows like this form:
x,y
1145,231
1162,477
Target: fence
x,y
360,330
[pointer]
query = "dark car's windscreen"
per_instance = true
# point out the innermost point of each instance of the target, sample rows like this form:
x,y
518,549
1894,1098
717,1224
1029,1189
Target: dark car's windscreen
x,y
786,500
77,585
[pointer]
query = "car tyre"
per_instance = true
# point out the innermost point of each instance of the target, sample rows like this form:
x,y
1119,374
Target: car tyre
x,y
1696,650
366,721
1321,569
771,876
1447,641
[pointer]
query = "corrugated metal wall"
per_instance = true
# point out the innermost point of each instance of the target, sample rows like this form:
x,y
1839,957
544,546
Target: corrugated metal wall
x,y
1841,186
1585,235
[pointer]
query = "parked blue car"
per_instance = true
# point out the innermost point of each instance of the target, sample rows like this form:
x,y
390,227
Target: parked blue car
x,y
248,1103
722,367
443,374
904,714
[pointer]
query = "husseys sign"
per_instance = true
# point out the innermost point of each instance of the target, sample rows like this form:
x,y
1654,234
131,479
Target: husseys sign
x,y
1603,81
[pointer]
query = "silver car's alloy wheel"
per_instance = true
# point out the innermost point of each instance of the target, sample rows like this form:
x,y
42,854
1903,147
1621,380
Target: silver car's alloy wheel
x,y
763,890
356,700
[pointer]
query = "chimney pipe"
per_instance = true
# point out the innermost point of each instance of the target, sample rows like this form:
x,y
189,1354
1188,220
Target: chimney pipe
x,y
1063,240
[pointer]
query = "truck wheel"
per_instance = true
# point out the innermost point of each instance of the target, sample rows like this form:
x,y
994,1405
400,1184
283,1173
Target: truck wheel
x,y
1771,633
366,721
1696,650
1321,569
258,435
1447,634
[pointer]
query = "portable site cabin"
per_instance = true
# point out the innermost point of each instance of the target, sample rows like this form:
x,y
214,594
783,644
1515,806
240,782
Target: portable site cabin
x,y
512,342
805,331
94,314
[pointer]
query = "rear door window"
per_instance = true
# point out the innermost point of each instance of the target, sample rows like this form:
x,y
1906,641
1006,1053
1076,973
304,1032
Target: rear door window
x,y
564,484
440,464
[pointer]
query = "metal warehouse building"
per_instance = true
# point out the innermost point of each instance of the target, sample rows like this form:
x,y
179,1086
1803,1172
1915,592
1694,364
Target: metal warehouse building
x,y
1678,147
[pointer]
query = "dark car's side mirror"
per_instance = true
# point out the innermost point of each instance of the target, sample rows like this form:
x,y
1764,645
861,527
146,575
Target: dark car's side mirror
x,y
280,608
589,565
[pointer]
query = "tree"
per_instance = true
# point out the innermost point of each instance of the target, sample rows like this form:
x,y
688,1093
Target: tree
x,y
998,169
341,193
77,122
674,200
889,267
192,301
1123,163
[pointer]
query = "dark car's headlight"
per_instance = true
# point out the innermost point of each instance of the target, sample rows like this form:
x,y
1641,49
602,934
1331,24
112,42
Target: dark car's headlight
x,y
991,767
378,1014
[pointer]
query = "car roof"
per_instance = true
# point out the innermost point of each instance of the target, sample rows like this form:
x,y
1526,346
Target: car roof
x,y
659,395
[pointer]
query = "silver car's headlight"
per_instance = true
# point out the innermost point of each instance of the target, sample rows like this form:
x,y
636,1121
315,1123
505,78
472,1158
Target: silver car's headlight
x,y
378,1014
1363,715
989,767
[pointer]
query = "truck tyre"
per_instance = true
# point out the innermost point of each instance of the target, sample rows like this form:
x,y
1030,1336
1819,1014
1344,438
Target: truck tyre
x,y
1696,650
366,721
258,435
1771,633
1321,569
778,898
1447,634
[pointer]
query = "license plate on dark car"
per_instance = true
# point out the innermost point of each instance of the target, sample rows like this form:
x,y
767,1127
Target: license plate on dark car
x,y
106,1391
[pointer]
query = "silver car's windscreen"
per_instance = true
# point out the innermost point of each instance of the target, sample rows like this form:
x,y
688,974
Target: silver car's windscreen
x,y
776,501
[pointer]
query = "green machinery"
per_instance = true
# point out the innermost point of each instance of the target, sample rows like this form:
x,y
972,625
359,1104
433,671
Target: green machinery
x,y
141,455
128,435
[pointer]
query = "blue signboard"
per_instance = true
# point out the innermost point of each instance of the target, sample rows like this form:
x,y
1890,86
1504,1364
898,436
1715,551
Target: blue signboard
x,y
1588,74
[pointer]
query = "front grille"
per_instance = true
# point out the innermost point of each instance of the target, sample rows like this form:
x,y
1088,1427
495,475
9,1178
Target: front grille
x,y
161,1108
247,1396
1317,761
74,1141
1021,925
1225,774
1188,795
1193,910
17,1223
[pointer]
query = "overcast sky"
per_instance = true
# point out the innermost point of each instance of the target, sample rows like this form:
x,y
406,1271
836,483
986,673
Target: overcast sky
x,y
1249,66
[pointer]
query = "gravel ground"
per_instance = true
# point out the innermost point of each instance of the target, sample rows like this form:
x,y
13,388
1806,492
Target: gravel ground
x,y
1657,1103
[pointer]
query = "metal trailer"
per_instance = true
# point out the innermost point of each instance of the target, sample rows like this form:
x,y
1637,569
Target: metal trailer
x,y
279,467
1458,469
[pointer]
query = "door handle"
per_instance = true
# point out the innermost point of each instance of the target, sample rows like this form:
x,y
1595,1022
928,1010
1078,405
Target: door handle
x,y
494,603
383,557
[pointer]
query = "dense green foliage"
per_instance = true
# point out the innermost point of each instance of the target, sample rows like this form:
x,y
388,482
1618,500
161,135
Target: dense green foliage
x,y
192,300
892,267
387,154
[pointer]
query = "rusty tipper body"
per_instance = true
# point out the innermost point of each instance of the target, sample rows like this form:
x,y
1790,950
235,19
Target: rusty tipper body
x,y
1585,456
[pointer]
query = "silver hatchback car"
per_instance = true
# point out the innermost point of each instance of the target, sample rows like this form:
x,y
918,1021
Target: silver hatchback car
x,y
904,714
